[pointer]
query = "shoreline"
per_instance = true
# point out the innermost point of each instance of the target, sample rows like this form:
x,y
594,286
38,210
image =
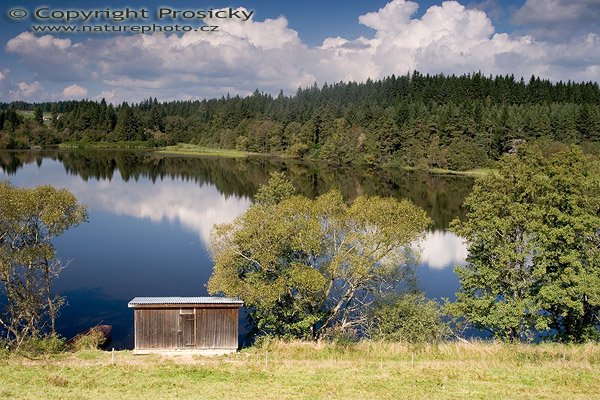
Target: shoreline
x,y
190,150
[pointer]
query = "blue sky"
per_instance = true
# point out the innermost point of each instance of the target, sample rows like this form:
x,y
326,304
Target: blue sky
x,y
287,44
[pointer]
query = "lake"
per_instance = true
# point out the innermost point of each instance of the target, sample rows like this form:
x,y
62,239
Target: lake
x,y
150,218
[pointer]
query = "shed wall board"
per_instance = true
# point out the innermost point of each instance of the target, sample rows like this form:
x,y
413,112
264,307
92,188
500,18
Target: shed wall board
x,y
185,328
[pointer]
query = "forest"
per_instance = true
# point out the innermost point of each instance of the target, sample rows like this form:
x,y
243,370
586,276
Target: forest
x,y
414,120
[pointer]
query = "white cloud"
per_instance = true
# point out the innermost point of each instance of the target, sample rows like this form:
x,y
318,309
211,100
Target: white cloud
x,y
52,58
2,76
442,250
24,90
270,56
557,20
557,11
492,8
109,95
388,18
74,92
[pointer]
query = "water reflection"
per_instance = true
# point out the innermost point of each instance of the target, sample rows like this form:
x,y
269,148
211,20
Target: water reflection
x,y
197,207
151,216
443,249
75,316
441,196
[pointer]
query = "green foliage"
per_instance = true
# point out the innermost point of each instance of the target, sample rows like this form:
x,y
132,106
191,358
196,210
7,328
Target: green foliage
x,y
465,155
407,318
306,266
29,220
42,345
340,147
534,263
39,115
298,150
278,189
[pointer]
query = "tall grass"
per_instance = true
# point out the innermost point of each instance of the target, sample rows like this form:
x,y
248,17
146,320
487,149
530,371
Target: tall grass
x,y
300,370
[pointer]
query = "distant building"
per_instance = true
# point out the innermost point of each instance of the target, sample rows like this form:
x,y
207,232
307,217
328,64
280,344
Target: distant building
x,y
203,325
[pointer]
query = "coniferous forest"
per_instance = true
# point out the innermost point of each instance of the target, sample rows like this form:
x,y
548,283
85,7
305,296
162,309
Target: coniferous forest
x,y
424,121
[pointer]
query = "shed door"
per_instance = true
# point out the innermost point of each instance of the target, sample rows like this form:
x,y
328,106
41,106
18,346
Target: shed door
x,y
187,327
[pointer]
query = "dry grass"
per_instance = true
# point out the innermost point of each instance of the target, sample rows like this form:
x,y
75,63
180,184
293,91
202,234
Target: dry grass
x,y
298,370
90,341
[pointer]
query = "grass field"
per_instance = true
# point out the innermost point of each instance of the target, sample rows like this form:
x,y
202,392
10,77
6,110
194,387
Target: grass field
x,y
130,145
29,115
316,371
478,172
195,150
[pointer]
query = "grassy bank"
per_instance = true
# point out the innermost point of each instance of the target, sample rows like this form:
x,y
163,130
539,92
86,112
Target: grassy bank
x,y
195,150
317,371
478,172
80,145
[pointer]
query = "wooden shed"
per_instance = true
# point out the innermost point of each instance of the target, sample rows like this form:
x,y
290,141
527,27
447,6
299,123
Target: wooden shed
x,y
190,324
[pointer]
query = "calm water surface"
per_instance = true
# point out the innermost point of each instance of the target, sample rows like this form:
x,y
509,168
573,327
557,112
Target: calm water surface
x,y
150,217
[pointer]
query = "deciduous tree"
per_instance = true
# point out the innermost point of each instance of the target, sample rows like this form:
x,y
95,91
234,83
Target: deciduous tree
x,y
533,231
29,220
305,267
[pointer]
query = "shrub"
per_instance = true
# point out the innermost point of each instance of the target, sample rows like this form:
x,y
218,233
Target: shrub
x,y
90,341
465,155
40,345
407,318
298,150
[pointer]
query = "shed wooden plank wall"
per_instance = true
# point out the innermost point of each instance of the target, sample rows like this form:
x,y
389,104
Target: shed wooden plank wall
x,y
217,328
172,328
156,328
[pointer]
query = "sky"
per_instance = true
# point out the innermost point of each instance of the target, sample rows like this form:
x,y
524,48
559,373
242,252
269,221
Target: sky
x,y
284,45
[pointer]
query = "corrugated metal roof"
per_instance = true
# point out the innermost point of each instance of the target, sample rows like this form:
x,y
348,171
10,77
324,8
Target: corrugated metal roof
x,y
183,300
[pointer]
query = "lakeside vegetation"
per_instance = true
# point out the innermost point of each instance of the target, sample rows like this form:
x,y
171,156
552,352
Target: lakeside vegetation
x,y
303,370
85,145
195,150
185,149
329,267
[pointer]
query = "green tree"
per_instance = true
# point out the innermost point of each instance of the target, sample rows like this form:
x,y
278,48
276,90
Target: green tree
x,y
127,126
533,236
340,146
39,115
54,112
278,189
307,267
29,220
463,155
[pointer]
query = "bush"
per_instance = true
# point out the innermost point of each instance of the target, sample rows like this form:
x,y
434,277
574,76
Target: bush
x,y
90,341
407,318
4,349
40,345
465,155
298,150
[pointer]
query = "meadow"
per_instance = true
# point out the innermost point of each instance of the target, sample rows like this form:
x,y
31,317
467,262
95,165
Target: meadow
x,y
301,370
